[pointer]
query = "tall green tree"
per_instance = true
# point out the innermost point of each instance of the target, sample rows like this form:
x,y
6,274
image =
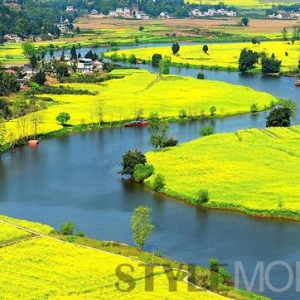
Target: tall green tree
x,y
284,33
175,48
270,65
156,58
130,159
63,118
28,49
158,130
33,62
245,21
8,84
73,52
39,78
279,117
141,226
247,60
164,66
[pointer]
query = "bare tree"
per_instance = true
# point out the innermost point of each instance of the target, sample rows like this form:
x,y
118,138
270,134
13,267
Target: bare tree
x,y
36,118
99,105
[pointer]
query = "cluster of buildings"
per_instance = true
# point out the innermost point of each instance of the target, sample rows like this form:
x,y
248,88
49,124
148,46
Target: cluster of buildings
x,y
285,16
212,13
127,12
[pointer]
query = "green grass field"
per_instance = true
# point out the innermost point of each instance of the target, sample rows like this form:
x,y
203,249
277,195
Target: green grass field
x,y
223,56
150,92
251,168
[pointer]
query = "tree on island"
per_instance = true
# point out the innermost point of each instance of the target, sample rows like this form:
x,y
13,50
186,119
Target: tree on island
x,y
141,226
63,118
247,60
175,48
130,159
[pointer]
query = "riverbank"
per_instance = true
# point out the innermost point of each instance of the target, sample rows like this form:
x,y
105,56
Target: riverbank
x,y
220,56
135,96
251,171
36,246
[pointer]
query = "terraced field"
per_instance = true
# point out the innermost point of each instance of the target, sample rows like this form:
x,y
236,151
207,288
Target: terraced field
x,y
250,170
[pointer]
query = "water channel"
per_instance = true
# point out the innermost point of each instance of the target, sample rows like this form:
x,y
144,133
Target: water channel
x,y
75,178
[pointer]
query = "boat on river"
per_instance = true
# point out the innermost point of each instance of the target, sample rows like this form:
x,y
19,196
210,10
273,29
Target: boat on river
x,y
297,82
137,123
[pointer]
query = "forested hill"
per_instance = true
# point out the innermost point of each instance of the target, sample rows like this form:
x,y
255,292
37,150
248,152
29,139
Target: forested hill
x,y
32,18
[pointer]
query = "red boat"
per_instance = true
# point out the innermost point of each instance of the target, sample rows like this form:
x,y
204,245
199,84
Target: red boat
x,y
297,82
137,123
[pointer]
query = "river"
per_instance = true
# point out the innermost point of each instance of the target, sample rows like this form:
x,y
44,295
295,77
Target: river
x,y
76,178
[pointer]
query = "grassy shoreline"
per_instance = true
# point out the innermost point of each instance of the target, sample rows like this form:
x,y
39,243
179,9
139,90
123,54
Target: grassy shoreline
x,y
250,171
138,91
39,244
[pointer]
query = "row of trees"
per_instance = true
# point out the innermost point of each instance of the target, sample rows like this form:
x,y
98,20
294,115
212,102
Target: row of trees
x,y
249,58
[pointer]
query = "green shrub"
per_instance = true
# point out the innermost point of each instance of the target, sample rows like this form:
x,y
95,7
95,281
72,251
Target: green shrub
x,y
182,114
203,197
226,277
206,130
158,182
67,228
141,172
254,108
214,265
170,142
200,75
212,110
80,234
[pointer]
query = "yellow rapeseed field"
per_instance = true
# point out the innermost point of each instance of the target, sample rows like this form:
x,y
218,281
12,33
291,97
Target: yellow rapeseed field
x,y
261,4
43,268
9,233
250,168
221,54
150,92
34,226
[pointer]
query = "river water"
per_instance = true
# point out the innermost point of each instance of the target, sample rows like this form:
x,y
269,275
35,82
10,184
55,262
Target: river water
x,y
76,178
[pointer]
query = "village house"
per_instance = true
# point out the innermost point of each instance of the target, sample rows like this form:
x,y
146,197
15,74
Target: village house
x,y
94,12
69,8
212,12
141,16
11,38
84,65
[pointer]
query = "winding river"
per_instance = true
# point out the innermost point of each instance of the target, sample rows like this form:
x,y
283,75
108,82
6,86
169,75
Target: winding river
x,y
75,178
